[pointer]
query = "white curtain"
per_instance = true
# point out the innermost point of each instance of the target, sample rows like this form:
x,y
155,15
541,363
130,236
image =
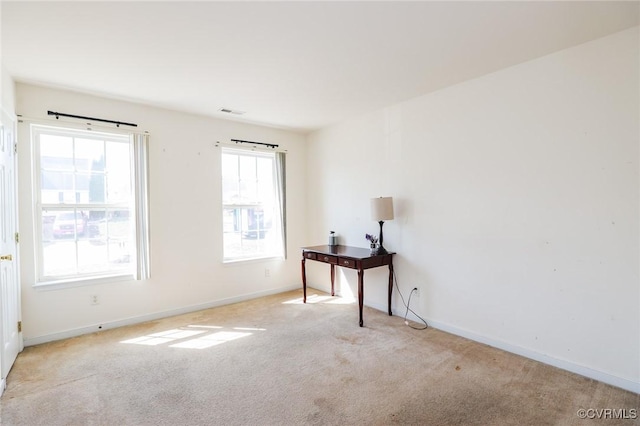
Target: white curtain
x,y
281,195
141,182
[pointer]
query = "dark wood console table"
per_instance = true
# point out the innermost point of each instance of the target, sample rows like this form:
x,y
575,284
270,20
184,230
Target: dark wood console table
x,y
347,257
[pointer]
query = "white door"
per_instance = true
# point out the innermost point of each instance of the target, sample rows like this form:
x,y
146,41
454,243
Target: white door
x,y
9,279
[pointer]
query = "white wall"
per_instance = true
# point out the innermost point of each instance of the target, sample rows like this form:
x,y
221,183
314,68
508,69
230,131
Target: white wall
x,y
186,231
516,200
7,91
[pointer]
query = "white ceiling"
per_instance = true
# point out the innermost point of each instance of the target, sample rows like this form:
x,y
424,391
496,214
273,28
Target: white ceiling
x,y
296,65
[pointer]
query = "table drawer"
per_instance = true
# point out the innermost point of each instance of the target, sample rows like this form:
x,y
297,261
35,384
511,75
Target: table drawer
x,y
309,255
348,263
374,262
327,259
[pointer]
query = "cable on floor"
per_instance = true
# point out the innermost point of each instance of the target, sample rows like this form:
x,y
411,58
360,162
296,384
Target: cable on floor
x,y
395,279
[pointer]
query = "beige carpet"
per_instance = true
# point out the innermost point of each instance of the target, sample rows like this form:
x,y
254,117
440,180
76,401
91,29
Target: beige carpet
x,y
275,361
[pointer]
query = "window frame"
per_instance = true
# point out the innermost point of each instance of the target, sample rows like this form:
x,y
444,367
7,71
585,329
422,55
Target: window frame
x,y
277,224
79,279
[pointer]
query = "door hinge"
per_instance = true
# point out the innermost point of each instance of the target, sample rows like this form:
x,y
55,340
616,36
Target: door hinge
x,y
17,238
19,326
15,148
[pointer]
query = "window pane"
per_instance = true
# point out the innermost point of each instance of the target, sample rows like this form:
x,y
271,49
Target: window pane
x,y
118,163
230,166
265,179
57,187
55,146
82,242
61,230
81,193
96,187
230,183
244,233
88,152
110,242
248,180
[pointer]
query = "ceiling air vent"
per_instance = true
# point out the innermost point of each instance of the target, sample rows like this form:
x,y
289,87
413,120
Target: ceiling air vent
x,y
231,111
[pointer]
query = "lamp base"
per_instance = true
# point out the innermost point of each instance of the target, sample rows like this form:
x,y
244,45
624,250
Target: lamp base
x,y
381,249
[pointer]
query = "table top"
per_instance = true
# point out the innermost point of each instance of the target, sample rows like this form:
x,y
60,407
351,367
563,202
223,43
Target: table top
x,y
344,251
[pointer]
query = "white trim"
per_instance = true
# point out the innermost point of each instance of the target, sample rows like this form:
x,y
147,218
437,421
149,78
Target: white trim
x,y
3,385
151,317
244,260
572,367
545,359
12,117
82,281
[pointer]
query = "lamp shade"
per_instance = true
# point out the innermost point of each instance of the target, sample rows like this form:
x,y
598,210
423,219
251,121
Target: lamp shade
x,y
382,208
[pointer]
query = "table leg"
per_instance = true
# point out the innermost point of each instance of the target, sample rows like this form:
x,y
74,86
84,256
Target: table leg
x,y
390,284
360,292
304,282
333,279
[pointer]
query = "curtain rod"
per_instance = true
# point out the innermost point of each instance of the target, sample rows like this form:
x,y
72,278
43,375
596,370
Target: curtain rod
x,y
252,148
270,145
117,123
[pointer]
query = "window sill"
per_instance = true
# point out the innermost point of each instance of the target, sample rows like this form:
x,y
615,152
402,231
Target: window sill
x,y
246,260
81,282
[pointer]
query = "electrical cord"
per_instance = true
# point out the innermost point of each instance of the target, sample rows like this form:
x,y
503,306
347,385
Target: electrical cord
x,y
407,304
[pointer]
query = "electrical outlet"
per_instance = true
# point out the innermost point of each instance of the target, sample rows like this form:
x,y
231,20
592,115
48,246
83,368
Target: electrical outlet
x,y
94,299
267,273
416,291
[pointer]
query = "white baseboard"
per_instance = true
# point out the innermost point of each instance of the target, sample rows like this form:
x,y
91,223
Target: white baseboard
x,y
545,359
151,317
588,372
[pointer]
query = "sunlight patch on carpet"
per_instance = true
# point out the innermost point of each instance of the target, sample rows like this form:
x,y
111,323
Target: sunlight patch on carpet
x,y
185,337
315,298
163,337
205,326
211,340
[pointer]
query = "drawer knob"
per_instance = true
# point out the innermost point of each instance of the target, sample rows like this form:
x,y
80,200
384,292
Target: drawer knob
x,y
326,258
346,262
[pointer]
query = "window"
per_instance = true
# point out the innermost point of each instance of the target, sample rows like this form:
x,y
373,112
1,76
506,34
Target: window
x,y
90,204
252,204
